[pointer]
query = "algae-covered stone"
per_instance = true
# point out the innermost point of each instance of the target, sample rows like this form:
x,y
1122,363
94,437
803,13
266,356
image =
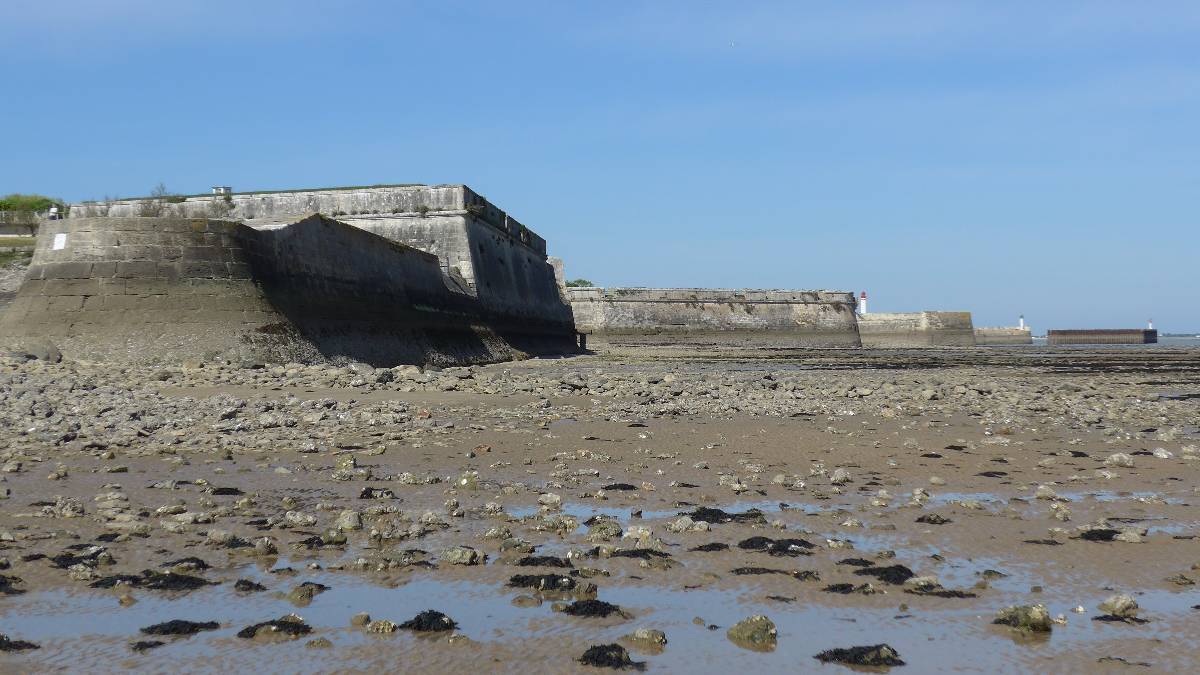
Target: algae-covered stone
x,y
382,626
348,520
757,633
462,555
604,529
1120,605
868,656
1033,618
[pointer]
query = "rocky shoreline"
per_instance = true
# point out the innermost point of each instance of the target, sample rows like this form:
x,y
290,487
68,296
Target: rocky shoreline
x,y
665,510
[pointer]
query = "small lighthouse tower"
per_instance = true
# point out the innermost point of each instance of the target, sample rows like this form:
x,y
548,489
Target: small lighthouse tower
x,y
1150,324
862,304
1021,322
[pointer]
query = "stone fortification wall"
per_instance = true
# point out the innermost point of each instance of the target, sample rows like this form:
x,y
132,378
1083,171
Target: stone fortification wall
x,y
346,204
916,329
1003,336
1102,336
815,318
170,289
481,249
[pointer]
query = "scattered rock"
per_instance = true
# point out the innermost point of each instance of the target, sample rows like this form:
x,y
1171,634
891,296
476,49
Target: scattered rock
x,y
1033,618
873,656
756,633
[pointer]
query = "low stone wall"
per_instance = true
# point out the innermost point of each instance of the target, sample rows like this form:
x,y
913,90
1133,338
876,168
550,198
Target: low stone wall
x,y
171,289
1103,336
806,318
916,329
1003,336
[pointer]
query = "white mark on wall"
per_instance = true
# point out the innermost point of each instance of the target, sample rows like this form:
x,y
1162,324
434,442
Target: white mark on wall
x,y
60,241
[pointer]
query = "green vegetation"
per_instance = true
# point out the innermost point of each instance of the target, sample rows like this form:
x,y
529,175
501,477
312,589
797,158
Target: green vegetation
x,y
29,203
19,209
579,283
8,242
7,258
155,205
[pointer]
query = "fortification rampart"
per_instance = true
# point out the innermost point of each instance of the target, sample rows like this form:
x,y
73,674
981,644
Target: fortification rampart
x,y
807,318
480,249
1003,336
169,289
916,329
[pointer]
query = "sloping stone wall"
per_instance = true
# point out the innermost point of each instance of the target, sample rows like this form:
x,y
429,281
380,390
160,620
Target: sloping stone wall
x,y
170,289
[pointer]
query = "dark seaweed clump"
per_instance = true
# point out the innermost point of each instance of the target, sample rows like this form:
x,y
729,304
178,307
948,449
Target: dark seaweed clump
x,y
593,608
8,644
776,547
610,656
542,582
892,574
717,516
289,627
1099,534
429,621
152,580
709,548
869,656
543,561
190,562
180,627
620,487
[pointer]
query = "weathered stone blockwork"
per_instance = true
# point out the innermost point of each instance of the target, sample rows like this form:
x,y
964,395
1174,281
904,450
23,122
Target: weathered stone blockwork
x,y
168,289
480,248
1003,336
916,329
804,318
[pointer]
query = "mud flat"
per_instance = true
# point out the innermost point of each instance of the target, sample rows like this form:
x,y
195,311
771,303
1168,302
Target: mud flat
x,y
551,509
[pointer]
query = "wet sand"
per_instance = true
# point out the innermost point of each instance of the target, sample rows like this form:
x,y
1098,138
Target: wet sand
x,y
990,470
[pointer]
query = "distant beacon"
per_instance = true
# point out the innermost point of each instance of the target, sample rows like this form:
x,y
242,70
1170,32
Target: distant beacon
x,y
862,303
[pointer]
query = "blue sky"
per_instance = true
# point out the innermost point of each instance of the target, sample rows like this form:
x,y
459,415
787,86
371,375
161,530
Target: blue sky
x,y
998,157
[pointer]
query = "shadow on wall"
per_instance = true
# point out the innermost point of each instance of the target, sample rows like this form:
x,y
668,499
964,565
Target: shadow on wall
x,y
165,290
366,298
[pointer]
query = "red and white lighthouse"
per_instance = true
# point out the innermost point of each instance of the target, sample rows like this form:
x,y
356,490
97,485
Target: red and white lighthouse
x,y
862,303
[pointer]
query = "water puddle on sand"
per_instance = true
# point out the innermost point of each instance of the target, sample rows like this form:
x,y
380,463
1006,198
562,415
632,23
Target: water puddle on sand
x,y
88,629
582,511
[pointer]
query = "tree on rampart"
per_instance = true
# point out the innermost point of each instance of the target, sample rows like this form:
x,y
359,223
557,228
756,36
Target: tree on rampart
x,y
19,209
579,283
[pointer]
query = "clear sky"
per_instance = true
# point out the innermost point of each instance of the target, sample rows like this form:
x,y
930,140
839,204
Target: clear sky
x,y
999,157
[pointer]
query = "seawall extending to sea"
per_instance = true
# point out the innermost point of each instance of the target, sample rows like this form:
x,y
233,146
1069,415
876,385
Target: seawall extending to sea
x,y
1003,336
799,318
917,329
1102,336
169,289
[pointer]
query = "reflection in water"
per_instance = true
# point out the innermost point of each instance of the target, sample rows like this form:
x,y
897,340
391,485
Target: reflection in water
x,y
78,628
